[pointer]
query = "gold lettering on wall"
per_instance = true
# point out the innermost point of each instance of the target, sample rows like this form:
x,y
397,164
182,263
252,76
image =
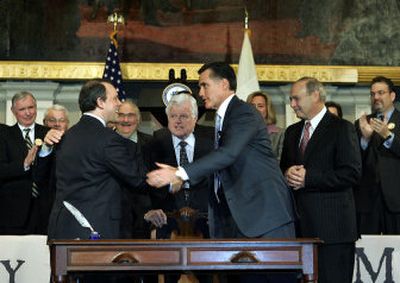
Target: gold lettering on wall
x,y
37,70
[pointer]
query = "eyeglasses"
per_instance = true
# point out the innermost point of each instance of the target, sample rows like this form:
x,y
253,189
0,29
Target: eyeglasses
x,y
379,93
126,115
54,120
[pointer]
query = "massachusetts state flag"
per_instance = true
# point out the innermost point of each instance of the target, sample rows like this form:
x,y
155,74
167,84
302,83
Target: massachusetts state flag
x,y
247,81
112,69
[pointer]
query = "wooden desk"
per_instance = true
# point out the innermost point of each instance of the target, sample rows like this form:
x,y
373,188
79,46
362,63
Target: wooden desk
x,y
183,255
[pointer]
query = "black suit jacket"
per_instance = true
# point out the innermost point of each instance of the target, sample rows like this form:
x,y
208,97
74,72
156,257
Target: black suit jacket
x,y
254,187
43,174
162,150
381,169
16,183
93,163
135,203
142,151
333,166
3,127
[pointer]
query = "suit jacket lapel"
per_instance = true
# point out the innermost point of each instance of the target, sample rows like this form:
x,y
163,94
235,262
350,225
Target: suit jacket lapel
x,y
318,134
395,117
19,140
171,150
40,131
139,143
198,148
228,111
295,140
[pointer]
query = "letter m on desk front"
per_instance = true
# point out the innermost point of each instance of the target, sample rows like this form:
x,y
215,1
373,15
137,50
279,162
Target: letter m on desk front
x,y
362,258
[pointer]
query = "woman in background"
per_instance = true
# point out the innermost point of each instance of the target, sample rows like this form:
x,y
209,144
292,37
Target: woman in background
x,y
263,104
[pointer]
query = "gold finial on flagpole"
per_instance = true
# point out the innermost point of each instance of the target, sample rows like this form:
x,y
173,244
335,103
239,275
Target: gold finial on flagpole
x,y
246,18
115,19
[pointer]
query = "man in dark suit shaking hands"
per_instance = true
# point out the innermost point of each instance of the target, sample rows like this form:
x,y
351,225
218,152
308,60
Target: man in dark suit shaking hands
x,y
92,164
321,161
250,197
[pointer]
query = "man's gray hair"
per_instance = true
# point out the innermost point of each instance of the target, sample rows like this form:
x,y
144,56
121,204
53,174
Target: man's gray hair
x,y
135,108
312,84
56,107
179,99
21,95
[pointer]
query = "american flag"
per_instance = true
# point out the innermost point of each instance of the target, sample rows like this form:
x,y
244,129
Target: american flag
x,y
112,69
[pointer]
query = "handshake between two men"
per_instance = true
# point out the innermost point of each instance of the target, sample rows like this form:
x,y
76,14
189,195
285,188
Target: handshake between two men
x,y
163,176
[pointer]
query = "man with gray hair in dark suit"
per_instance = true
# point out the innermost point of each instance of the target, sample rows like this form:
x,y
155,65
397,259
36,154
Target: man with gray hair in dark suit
x,y
321,162
19,194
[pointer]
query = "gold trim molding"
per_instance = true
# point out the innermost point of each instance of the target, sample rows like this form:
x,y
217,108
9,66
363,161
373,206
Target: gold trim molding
x,y
45,70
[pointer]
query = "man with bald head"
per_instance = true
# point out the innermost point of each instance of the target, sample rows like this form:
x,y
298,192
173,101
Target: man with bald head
x,y
321,162
19,194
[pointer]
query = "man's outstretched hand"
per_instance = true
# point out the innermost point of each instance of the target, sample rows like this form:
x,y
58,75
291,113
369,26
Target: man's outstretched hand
x,y
163,176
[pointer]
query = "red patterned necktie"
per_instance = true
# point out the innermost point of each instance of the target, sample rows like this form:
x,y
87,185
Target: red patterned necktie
x,y
306,137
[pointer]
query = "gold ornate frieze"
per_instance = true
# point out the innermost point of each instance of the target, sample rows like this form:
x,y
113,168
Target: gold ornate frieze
x,y
289,73
36,70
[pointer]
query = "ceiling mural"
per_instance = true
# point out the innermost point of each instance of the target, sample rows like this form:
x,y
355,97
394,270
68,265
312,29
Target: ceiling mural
x,y
293,32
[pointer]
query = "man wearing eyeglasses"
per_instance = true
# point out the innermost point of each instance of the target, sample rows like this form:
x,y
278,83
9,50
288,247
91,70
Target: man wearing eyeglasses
x,y
128,119
378,195
56,117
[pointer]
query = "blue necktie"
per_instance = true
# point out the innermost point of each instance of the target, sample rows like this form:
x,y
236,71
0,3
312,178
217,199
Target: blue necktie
x,y
217,181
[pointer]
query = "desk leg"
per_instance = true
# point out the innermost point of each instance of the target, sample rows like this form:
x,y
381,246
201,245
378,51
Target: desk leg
x,y
60,278
309,278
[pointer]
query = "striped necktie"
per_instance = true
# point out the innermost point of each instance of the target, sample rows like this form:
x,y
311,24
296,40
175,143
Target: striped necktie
x,y
306,137
29,144
27,138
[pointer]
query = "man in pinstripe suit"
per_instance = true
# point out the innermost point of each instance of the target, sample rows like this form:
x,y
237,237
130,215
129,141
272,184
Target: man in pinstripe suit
x,y
321,162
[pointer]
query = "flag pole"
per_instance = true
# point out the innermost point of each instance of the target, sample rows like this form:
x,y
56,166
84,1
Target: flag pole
x,y
246,22
115,19
247,81
112,68
246,18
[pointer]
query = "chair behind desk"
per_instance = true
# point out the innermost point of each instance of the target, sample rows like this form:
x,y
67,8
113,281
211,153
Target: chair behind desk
x,y
186,220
